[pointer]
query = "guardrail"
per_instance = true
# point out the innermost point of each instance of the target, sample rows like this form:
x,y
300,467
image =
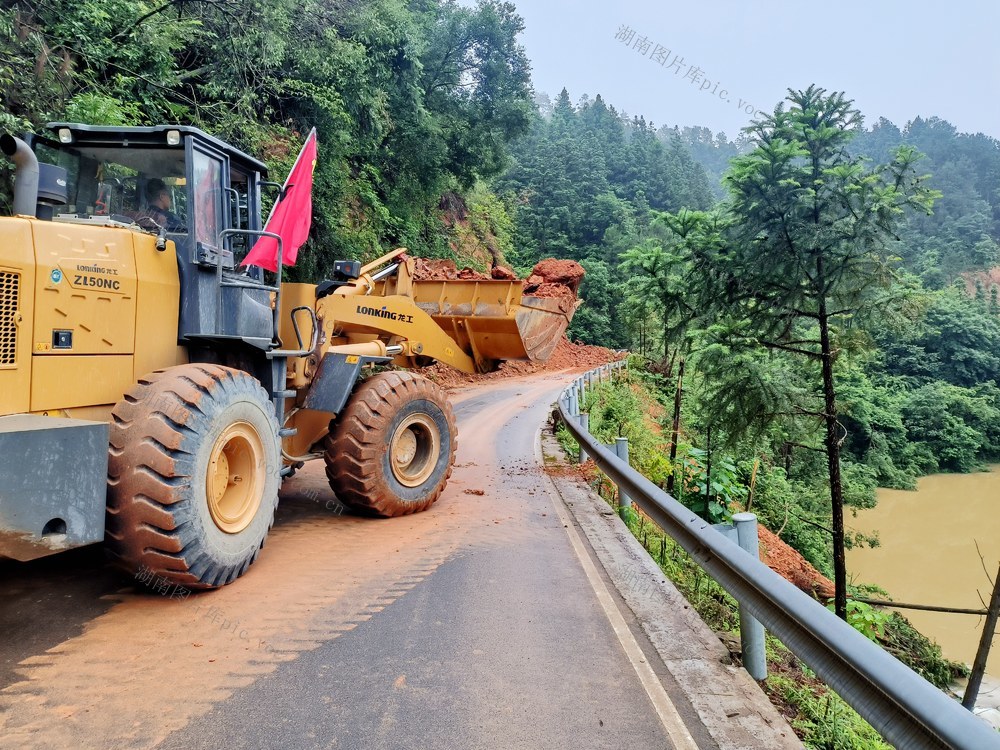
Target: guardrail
x,y
902,706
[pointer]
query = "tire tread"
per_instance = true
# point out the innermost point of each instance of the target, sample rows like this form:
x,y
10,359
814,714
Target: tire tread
x,y
147,521
356,444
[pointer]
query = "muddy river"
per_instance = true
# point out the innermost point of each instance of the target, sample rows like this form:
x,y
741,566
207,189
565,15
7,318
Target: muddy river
x,y
928,554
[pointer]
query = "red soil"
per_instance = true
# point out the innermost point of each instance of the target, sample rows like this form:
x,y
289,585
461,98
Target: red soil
x,y
552,291
567,273
792,566
550,278
567,356
427,269
987,280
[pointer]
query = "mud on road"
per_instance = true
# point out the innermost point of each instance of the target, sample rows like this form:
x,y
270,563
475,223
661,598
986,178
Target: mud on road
x,y
91,659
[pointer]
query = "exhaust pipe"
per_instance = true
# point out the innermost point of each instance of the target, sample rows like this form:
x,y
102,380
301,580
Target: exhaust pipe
x,y
26,177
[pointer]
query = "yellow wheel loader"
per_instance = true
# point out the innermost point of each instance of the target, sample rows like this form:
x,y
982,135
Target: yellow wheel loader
x,y
154,393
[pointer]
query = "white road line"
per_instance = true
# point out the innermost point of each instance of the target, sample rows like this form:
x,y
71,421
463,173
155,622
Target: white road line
x,y
665,709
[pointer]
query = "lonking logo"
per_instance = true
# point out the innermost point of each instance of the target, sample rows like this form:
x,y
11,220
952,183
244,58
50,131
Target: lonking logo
x,y
384,313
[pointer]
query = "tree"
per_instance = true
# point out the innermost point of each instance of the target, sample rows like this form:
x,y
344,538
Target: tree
x,y
957,341
660,272
411,100
806,253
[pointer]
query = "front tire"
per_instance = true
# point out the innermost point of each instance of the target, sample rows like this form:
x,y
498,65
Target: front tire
x,y
193,475
391,451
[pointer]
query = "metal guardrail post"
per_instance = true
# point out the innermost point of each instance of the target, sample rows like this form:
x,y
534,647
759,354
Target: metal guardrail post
x,y
621,449
584,420
751,631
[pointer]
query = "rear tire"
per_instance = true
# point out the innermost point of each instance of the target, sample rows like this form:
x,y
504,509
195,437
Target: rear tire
x,y
193,475
391,451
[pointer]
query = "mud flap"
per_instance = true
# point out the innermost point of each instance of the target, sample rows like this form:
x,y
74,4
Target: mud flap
x,y
335,380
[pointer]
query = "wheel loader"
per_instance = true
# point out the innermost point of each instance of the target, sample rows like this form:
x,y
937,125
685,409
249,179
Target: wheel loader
x,y
155,393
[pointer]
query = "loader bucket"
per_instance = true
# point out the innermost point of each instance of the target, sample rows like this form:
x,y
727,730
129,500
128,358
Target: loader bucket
x,y
493,321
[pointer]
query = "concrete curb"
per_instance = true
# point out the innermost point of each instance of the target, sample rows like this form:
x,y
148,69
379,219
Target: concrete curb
x,y
731,706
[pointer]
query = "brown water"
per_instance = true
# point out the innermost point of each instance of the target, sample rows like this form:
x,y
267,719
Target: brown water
x,y
928,554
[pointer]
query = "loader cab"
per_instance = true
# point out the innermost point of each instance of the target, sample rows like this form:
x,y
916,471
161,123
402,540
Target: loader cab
x,y
212,194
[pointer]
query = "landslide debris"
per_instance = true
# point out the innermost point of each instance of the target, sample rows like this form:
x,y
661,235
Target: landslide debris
x,y
550,278
792,566
554,278
429,269
568,355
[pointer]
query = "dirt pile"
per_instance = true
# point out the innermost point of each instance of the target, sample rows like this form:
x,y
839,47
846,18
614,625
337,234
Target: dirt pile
x,y
429,269
503,274
567,273
550,278
568,355
792,566
553,278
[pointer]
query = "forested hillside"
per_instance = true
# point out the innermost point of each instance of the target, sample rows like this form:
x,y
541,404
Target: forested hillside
x,y
412,100
796,382
585,184
913,339
962,232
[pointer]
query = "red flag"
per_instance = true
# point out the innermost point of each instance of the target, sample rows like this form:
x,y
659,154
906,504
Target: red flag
x,y
291,216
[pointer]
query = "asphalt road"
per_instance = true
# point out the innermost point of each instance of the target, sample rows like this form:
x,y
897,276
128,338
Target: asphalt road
x,y
473,625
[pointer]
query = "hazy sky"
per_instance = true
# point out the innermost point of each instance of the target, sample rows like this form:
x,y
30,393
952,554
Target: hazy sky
x,y
895,59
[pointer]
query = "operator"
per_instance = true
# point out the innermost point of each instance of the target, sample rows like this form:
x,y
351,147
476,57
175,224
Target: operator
x,y
158,206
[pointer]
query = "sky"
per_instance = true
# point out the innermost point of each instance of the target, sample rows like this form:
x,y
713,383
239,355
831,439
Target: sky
x,y
895,59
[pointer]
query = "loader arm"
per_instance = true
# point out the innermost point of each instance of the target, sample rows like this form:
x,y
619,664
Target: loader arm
x,y
394,316
381,314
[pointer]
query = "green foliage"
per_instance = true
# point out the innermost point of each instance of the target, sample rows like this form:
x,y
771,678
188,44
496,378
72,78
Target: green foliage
x,y
410,100
490,223
919,653
102,109
951,427
961,234
594,321
615,410
822,718
825,721
618,410
712,497
957,340
584,181
866,619
567,441
800,255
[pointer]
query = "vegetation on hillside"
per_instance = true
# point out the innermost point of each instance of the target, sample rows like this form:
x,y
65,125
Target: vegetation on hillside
x,y
634,405
904,380
412,100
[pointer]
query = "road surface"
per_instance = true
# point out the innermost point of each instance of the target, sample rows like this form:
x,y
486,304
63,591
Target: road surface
x,y
482,623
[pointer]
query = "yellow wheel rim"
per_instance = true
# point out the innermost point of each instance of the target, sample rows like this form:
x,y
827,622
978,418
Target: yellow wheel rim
x,y
235,479
414,450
